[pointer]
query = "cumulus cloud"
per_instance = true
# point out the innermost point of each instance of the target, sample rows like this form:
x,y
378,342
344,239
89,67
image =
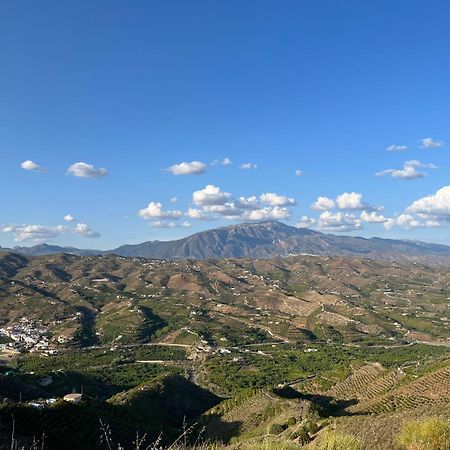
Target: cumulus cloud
x,y
187,168
68,218
323,204
36,233
430,143
84,170
397,148
268,213
247,202
154,210
410,170
222,162
338,222
435,206
212,203
408,221
248,166
350,200
305,222
194,213
210,195
272,199
168,224
162,224
173,199
353,201
32,166
298,173
85,230
42,233
372,217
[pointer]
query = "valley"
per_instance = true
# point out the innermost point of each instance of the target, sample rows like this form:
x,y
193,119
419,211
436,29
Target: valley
x,y
348,337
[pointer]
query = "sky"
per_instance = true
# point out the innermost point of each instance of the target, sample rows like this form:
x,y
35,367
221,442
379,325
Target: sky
x,y
122,122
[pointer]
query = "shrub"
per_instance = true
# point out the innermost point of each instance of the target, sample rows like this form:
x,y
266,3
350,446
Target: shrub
x,y
429,434
291,421
301,435
277,428
338,441
312,427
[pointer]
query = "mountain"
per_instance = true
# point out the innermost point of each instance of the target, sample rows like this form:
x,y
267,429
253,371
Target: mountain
x,y
47,249
265,240
272,239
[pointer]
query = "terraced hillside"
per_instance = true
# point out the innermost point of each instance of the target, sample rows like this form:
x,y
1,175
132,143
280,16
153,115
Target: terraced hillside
x,y
96,300
294,346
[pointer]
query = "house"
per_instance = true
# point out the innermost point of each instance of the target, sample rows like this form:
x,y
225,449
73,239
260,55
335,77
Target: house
x,y
73,398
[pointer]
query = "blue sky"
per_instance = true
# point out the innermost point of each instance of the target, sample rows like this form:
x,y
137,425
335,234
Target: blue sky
x,y
139,87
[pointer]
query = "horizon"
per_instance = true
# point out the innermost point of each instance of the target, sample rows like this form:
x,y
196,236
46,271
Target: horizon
x,y
154,122
212,229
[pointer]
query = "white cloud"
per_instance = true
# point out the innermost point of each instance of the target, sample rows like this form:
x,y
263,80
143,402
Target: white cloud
x,y
36,233
430,143
353,201
409,172
210,195
408,221
162,224
85,230
32,166
305,222
222,162
434,207
187,168
198,214
248,166
84,170
228,210
272,199
338,222
248,202
168,224
373,217
298,173
397,148
154,210
268,213
323,204
68,218
42,233
350,200
173,199
212,203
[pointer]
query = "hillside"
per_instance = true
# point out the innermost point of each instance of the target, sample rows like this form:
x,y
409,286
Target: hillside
x,y
292,346
97,300
265,240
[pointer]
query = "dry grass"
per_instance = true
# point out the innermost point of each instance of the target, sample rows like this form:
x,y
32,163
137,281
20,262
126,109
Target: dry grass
x,y
333,440
429,434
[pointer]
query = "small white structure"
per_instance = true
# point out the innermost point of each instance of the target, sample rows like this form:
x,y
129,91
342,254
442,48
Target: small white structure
x,y
73,398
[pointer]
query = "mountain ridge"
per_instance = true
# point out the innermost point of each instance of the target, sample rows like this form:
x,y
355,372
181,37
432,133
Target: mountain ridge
x,y
264,240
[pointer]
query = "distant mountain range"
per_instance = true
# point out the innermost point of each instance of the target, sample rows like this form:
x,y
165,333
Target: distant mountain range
x,y
264,240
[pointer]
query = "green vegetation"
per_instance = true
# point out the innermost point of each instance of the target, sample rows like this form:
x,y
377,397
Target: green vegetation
x,y
429,434
288,363
338,441
296,347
